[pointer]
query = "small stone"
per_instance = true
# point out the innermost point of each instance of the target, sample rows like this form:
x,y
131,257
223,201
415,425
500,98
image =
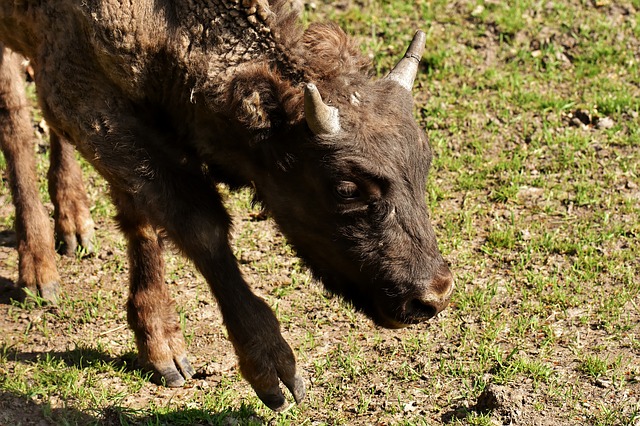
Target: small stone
x,y
43,127
478,10
563,58
492,398
605,123
409,406
530,192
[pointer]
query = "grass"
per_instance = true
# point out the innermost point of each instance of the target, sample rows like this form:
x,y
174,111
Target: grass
x,y
538,216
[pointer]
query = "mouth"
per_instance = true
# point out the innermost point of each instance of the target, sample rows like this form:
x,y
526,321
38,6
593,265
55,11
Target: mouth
x,y
393,319
383,310
388,304
390,323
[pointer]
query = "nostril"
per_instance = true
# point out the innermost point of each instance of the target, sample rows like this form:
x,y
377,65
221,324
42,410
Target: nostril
x,y
442,284
421,309
429,297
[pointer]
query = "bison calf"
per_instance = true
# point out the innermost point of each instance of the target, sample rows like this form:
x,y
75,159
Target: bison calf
x,y
167,98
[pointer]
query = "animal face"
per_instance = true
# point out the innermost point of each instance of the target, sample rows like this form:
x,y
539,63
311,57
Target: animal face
x,y
353,205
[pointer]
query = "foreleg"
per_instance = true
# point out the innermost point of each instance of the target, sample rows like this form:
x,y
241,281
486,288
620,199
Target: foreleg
x,y
195,219
150,310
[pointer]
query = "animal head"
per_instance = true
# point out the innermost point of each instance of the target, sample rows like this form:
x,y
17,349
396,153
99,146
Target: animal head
x,y
350,195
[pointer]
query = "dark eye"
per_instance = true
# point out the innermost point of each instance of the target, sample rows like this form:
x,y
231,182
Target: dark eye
x,y
348,190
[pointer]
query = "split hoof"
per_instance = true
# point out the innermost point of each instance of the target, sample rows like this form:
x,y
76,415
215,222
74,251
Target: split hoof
x,y
50,292
274,398
68,244
174,375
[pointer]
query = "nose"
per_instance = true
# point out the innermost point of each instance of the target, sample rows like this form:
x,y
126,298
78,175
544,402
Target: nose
x,y
432,298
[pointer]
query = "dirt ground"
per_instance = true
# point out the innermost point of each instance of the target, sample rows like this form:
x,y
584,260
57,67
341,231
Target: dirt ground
x,y
304,311
449,371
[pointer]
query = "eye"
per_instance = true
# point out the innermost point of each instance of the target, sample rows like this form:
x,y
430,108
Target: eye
x,y
348,190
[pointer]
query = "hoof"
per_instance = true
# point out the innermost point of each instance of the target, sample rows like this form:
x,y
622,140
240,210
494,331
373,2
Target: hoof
x,y
68,244
174,375
47,293
50,293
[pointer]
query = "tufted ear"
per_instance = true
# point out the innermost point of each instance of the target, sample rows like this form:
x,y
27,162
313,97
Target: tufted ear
x,y
329,47
255,98
253,111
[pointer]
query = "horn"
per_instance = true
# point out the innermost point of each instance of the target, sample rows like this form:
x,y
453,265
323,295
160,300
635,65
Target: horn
x,y
321,118
405,71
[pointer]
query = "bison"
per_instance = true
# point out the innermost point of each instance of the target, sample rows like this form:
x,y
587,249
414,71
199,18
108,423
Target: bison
x,y
166,99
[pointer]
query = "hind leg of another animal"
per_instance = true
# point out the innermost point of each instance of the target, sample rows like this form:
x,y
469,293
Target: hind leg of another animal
x,y
73,223
36,265
150,310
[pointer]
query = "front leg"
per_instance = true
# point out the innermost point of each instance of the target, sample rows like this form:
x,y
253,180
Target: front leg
x,y
151,312
194,217
264,356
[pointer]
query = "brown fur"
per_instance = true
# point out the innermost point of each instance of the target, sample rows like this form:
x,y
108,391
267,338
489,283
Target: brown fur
x,y
73,223
37,270
184,96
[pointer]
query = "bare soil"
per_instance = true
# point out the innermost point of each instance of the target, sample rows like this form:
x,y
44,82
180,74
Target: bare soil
x,y
380,370
355,372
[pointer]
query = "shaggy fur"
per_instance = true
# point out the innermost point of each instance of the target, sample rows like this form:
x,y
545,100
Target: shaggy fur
x,y
73,224
167,98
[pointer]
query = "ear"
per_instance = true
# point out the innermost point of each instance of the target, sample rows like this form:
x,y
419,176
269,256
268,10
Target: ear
x,y
253,112
254,97
329,47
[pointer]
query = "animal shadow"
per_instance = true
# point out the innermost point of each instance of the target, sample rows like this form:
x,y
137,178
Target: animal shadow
x,y
10,292
80,357
21,409
14,406
8,238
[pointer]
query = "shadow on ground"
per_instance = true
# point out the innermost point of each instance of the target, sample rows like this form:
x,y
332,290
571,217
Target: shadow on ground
x,y
80,357
10,292
8,238
27,409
